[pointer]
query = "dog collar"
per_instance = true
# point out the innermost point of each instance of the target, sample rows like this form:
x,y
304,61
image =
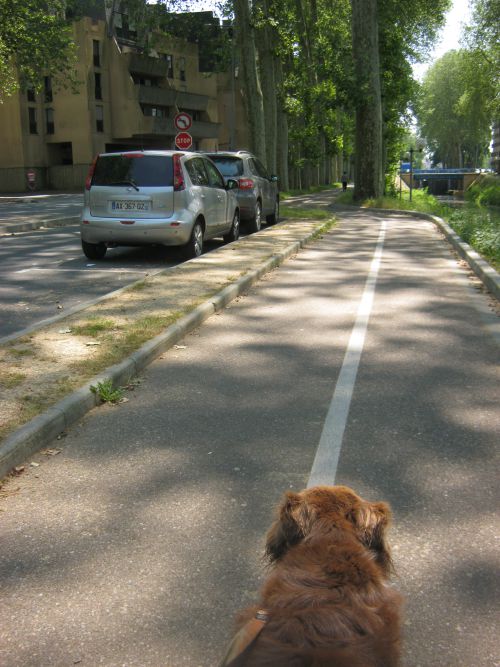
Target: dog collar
x,y
245,637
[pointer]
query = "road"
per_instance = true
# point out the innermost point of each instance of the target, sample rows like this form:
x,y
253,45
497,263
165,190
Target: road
x,y
44,273
139,541
26,207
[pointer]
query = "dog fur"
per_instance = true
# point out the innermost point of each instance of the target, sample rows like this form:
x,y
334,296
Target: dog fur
x,y
328,595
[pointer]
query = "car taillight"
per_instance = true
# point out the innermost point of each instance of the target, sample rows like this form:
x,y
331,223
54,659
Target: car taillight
x,y
90,174
245,183
178,175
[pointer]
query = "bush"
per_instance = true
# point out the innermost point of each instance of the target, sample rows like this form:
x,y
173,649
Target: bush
x,y
485,191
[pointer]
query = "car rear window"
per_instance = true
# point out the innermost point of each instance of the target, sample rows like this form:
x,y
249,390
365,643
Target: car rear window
x,y
228,166
134,169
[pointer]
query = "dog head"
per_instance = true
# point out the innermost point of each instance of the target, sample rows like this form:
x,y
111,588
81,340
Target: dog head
x,y
322,508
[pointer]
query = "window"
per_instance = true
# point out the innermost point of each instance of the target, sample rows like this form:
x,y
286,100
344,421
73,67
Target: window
x,y
97,86
196,170
216,180
32,120
182,69
144,170
49,121
170,64
99,119
48,88
30,94
258,168
96,52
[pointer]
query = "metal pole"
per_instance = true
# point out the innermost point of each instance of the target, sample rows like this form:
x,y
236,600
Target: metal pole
x,y
411,172
400,176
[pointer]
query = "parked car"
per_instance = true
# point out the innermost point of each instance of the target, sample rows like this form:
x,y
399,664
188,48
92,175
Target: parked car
x,y
169,198
257,194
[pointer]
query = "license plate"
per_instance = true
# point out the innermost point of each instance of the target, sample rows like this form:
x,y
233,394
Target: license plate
x,y
130,205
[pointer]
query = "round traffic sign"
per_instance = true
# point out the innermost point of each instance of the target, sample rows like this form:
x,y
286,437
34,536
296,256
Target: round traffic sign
x,y
183,121
183,141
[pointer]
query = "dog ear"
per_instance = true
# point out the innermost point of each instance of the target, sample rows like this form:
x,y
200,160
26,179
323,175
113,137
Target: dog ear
x,y
292,524
371,521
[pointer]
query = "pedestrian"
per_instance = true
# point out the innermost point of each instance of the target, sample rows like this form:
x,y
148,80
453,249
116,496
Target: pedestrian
x,y
344,181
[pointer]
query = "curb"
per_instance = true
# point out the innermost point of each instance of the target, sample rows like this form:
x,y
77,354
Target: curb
x,y
15,227
41,430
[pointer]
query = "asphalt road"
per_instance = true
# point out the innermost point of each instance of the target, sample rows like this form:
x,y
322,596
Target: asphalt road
x,y
136,544
26,207
44,273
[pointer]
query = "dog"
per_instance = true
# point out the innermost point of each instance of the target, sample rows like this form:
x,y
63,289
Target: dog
x,y
327,601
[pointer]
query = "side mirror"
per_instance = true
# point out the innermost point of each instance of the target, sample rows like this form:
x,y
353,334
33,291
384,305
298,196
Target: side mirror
x,y
232,184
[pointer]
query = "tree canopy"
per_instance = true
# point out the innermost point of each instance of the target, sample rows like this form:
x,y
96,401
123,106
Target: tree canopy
x,y
36,40
453,113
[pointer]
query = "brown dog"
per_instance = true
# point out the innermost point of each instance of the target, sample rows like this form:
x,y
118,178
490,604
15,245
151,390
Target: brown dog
x,y
327,601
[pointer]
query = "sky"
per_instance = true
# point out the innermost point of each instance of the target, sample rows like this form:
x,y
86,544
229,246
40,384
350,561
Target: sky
x,y
450,35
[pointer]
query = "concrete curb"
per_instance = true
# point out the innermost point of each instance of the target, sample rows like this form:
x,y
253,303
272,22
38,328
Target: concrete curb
x,y
41,430
10,228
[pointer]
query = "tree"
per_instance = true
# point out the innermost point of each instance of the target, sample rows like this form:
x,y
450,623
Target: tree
x,y
452,112
35,41
482,38
252,91
369,174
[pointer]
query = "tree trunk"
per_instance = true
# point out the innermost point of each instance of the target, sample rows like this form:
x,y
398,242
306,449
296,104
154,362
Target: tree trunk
x,y
252,93
368,171
267,73
282,141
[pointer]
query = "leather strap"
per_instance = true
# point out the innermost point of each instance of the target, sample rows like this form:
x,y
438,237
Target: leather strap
x,y
245,637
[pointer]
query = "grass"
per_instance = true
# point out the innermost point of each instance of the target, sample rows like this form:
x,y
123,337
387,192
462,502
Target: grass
x,y
305,213
106,392
94,327
11,379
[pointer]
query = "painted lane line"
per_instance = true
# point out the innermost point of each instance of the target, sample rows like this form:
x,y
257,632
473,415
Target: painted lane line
x,y
325,463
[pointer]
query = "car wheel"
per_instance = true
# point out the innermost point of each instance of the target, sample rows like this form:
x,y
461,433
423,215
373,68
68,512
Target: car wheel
x,y
275,216
93,250
194,247
256,222
234,232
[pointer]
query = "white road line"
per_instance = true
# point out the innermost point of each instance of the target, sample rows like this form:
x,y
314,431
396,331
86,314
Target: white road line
x,y
326,460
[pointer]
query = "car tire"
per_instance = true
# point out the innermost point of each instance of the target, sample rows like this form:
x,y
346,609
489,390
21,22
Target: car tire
x,y
275,216
255,223
93,250
234,233
194,247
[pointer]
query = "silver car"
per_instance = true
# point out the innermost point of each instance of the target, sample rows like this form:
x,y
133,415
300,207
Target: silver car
x,y
168,198
258,194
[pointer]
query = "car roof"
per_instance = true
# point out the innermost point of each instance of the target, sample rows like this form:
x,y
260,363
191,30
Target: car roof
x,y
167,153
230,153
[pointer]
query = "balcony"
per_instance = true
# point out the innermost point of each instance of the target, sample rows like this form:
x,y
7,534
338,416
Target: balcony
x,y
165,97
139,64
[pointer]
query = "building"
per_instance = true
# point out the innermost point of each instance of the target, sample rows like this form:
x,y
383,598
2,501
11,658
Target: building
x,y
127,99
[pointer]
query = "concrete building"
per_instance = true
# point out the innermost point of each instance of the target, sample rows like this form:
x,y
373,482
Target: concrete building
x,y
127,99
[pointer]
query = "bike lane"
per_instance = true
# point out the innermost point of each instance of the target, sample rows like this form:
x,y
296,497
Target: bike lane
x,y
137,543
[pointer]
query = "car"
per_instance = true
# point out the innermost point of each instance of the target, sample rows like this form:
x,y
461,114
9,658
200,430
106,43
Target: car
x,y
170,198
258,194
